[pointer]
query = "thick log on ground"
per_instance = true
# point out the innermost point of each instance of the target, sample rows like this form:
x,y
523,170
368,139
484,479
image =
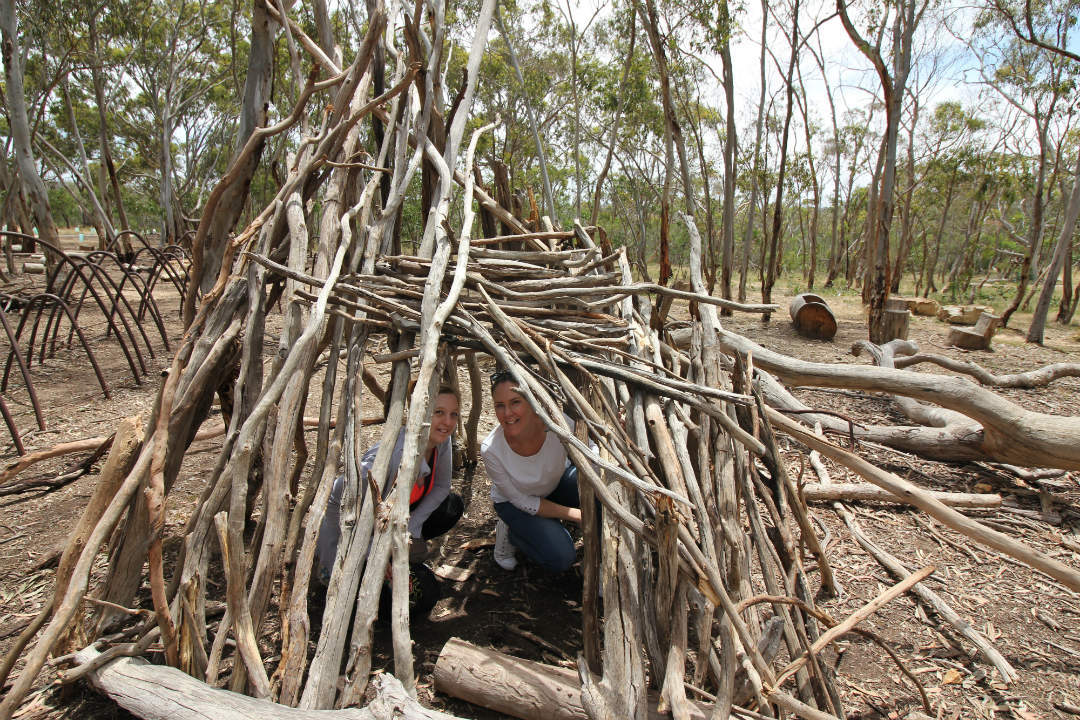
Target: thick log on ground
x,y
864,492
963,314
812,317
920,306
1000,430
157,692
519,688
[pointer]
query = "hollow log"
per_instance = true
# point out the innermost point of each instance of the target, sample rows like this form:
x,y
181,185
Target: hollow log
x,y
812,317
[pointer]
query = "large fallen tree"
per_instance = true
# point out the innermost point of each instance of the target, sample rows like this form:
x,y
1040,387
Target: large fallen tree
x,y
702,523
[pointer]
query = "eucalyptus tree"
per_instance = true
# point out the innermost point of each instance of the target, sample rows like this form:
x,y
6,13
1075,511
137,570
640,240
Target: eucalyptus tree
x,y
810,177
1036,85
857,138
19,124
949,159
775,253
748,232
833,147
175,63
892,63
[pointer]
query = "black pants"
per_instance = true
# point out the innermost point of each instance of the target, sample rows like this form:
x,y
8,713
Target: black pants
x,y
444,517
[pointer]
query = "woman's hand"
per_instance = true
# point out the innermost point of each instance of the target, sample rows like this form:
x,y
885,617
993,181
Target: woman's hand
x,y
559,512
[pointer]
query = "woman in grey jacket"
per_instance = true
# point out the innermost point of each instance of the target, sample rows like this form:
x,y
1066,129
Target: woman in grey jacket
x,y
433,508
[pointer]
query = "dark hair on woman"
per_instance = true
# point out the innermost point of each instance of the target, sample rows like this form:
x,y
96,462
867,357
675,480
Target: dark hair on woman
x,y
500,376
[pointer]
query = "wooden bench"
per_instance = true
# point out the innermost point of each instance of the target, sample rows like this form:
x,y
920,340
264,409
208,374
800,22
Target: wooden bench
x,y
977,337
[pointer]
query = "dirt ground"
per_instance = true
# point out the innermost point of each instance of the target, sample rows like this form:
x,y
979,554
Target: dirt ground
x,y
1033,620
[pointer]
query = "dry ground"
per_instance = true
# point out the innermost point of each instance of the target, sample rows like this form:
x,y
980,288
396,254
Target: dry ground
x,y
1033,620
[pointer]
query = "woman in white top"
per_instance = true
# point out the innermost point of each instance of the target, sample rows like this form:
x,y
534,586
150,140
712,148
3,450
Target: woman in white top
x,y
533,485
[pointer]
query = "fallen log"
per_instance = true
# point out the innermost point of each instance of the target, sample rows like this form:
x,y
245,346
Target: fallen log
x,y
1040,377
519,688
535,691
1000,429
158,692
863,492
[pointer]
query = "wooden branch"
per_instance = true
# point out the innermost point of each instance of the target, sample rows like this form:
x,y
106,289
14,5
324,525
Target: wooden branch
x,y
155,692
863,492
37,456
125,449
1040,377
855,618
931,598
1068,576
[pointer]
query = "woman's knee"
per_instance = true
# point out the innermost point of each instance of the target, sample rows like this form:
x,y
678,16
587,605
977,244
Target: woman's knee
x,y
561,556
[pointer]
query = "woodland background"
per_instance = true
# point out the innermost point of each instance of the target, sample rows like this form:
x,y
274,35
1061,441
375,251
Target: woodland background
x,y
929,145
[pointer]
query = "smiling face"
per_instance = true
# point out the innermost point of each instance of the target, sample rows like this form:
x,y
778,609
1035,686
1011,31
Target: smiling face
x,y
444,418
522,427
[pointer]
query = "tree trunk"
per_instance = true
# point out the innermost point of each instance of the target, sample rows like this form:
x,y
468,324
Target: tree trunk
x,y
906,218
616,120
931,265
748,233
1042,307
815,185
727,220
21,139
776,245
1064,315
104,135
208,248
1034,232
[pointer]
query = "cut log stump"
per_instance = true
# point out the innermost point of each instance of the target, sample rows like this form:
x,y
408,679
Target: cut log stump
x,y
927,307
812,317
978,337
897,319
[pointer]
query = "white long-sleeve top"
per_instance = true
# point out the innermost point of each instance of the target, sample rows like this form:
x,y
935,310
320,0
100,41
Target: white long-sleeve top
x,y
519,479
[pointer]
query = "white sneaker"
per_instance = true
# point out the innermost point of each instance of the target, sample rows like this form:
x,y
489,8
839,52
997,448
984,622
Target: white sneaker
x,y
504,549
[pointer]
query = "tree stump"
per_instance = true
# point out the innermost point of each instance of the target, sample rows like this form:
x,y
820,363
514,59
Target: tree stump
x,y
897,318
927,307
811,316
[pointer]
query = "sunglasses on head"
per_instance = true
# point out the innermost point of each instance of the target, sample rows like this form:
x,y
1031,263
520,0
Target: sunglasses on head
x,y
501,376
